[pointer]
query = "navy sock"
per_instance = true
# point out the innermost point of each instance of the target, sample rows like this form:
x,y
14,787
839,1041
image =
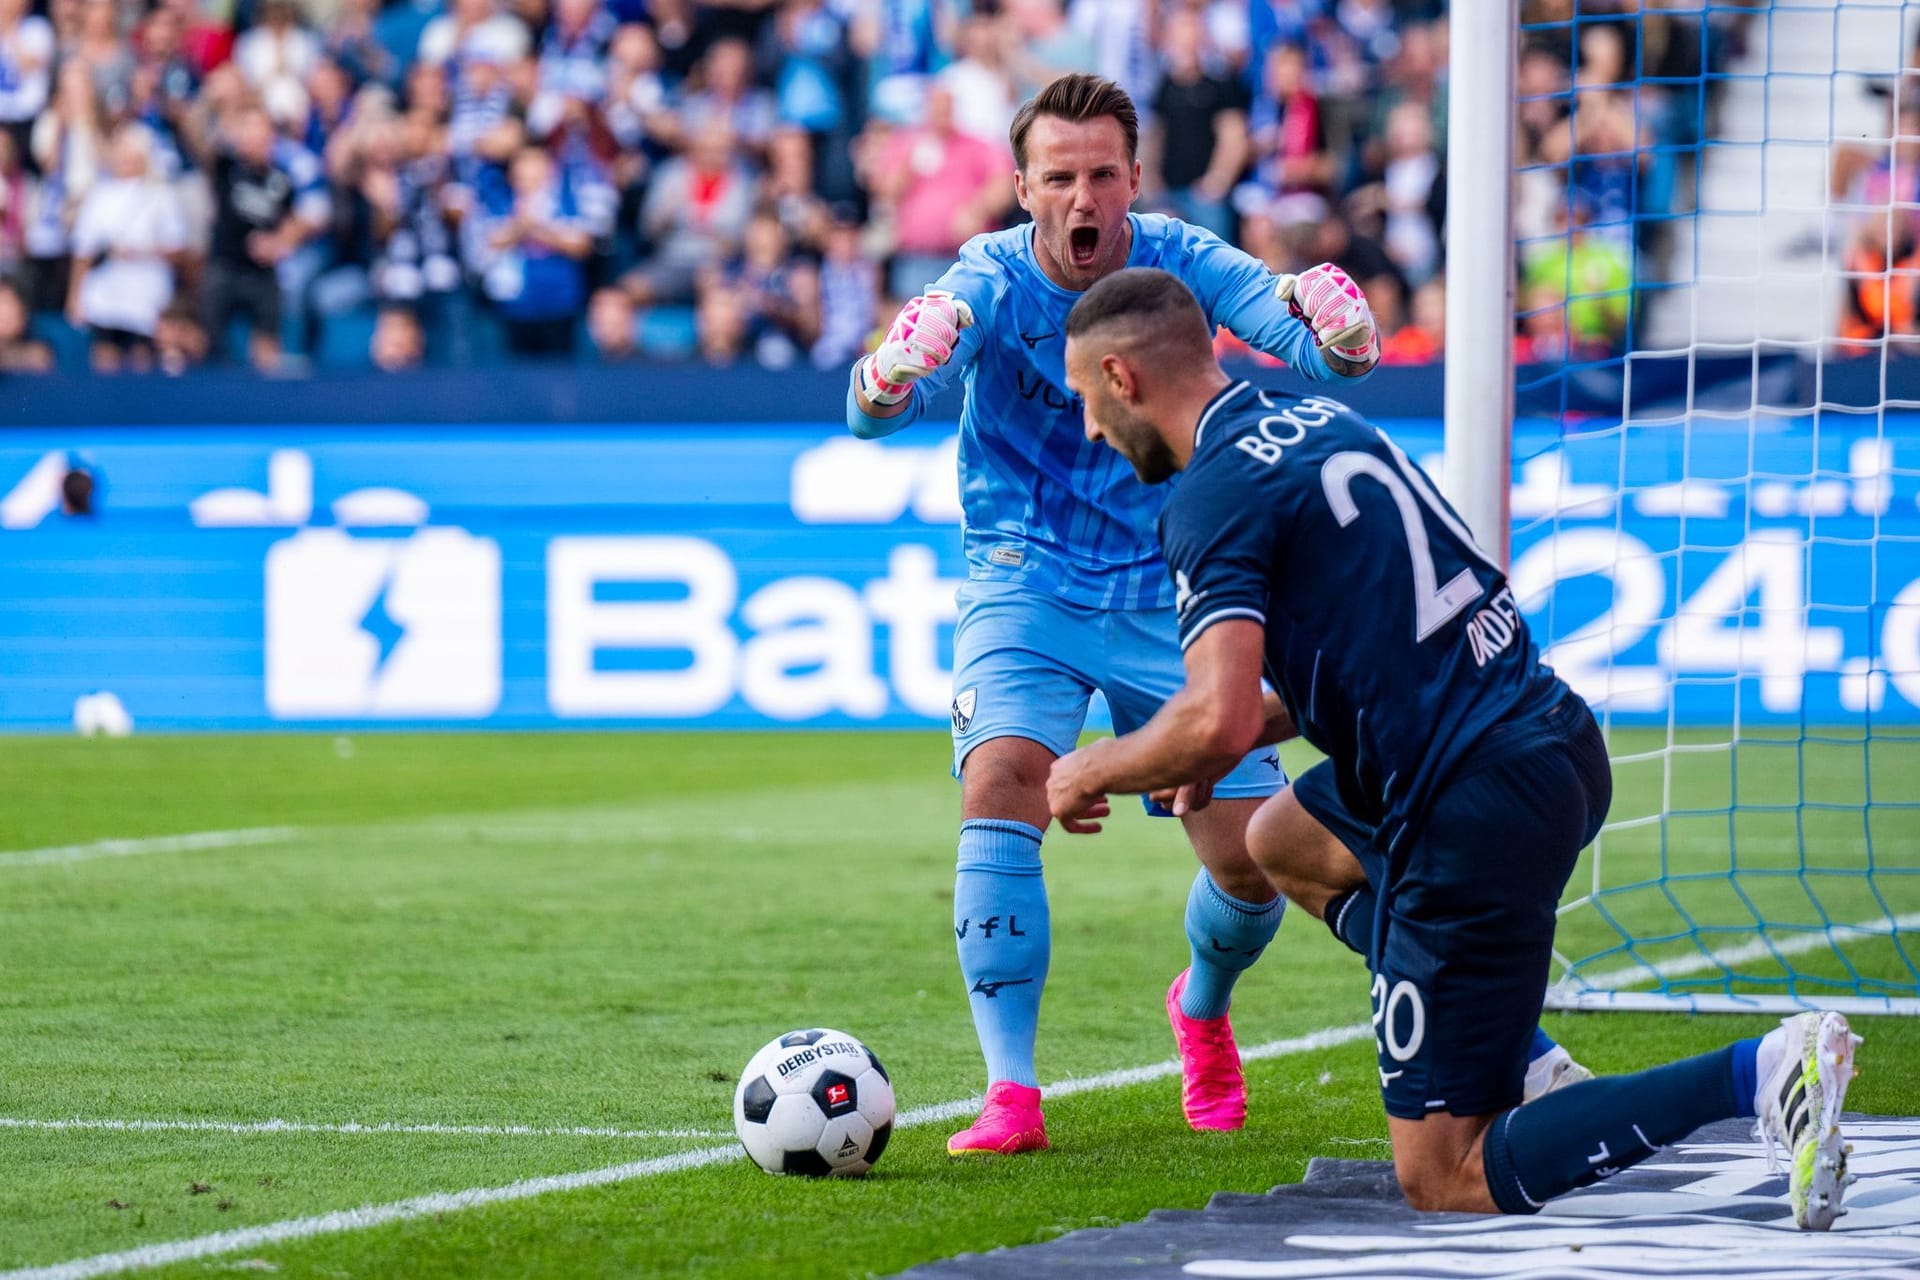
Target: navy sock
x,y
1004,935
1746,1074
1578,1135
1225,935
1350,917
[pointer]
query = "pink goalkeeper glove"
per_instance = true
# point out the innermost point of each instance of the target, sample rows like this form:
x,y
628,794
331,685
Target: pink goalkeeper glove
x,y
1330,304
920,340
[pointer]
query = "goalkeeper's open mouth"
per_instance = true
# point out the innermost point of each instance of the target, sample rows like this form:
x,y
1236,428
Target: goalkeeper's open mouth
x,y
1083,243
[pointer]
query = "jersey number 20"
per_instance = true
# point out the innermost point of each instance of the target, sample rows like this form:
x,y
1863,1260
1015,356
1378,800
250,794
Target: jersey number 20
x,y
1433,605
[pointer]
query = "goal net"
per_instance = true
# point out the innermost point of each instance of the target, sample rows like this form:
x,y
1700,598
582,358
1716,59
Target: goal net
x,y
1716,452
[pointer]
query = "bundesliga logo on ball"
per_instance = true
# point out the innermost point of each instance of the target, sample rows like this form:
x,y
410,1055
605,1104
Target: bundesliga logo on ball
x,y
814,1102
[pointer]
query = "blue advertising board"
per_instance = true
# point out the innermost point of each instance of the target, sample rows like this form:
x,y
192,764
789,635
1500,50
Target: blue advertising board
x,y
761,574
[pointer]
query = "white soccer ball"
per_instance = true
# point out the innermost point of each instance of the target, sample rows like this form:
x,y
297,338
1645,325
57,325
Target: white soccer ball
x,y
814,1102
101,714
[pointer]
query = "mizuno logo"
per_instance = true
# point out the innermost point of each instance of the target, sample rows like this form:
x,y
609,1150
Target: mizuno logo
x,y
1035,339
1272,760
991,990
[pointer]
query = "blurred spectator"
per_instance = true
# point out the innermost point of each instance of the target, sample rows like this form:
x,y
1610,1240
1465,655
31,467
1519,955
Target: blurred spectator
x,y
902,43
398,343
1581,284
728,96
18,195
1408,195
68,141
538,243
573,53
179,343
696,211
849,294
129,231
106,53
26,62
353,41
788,187
943,187
677,29
1415,74
18,352
1043,46
1881,189
1422,340
470,30
774,310
265,210
164,86
981,95
1198,139
612,326
1122,43
818,81
636,100
1289,144
278,52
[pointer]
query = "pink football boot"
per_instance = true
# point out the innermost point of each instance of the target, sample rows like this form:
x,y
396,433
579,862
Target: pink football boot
x,y
1213,1092
1010,1123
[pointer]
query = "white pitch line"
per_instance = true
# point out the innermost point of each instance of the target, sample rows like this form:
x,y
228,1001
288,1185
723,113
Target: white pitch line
x,y
191,841
368,1216
300,1126
1793,944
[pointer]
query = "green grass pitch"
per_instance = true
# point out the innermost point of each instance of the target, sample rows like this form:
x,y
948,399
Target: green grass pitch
x,y
563,931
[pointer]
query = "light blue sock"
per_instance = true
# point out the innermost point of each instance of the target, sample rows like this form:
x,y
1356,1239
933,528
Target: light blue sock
x,y
1226,936
1005,937
1543,1044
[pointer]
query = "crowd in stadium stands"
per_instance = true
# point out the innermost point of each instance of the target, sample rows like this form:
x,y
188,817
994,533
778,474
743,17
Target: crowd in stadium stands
x,y
334,182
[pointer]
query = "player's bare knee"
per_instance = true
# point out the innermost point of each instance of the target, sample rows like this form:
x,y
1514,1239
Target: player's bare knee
x,y
1439,1186
1298,856
1007,778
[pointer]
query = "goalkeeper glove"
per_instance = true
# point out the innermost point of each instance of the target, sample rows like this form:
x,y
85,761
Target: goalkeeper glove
x,y
920,340
1330,304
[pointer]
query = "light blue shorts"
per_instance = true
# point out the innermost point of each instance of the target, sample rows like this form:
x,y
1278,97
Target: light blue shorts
x,y
1026,663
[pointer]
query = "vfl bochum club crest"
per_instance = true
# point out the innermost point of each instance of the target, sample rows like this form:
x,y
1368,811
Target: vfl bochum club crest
x,y
963,705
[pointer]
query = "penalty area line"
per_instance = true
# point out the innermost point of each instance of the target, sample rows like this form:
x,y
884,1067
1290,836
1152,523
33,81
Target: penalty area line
x,y
351,1127
187,843
370,1216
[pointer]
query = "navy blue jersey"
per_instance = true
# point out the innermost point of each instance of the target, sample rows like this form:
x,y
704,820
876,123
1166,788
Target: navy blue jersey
x,y
1393,639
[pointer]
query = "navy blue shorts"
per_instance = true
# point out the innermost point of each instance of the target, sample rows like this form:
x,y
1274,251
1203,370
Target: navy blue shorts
x,y
1464,939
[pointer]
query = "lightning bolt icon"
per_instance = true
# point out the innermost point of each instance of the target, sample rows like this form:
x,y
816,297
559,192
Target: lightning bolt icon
x,y
379,624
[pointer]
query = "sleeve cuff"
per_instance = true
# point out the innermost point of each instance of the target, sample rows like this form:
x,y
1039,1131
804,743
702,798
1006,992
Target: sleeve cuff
x,y
1219,615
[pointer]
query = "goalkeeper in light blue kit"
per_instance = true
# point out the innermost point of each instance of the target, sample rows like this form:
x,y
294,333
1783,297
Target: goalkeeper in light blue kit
x,y
1067,591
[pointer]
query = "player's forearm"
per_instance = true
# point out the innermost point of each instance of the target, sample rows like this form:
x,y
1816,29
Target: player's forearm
x,y
870,421
1189,738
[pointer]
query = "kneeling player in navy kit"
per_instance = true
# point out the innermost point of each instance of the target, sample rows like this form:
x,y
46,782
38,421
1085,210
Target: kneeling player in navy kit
x,y
1462,777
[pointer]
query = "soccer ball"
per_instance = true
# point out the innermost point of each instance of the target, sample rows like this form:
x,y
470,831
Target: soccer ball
x,y
101,715
814,1102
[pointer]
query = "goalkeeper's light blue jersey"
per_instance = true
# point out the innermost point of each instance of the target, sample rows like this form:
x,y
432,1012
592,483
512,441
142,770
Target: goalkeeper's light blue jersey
x,y
1042,505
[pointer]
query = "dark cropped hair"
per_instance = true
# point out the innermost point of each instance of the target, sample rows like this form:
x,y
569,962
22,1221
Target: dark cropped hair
x,y
1076,97
1146,300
